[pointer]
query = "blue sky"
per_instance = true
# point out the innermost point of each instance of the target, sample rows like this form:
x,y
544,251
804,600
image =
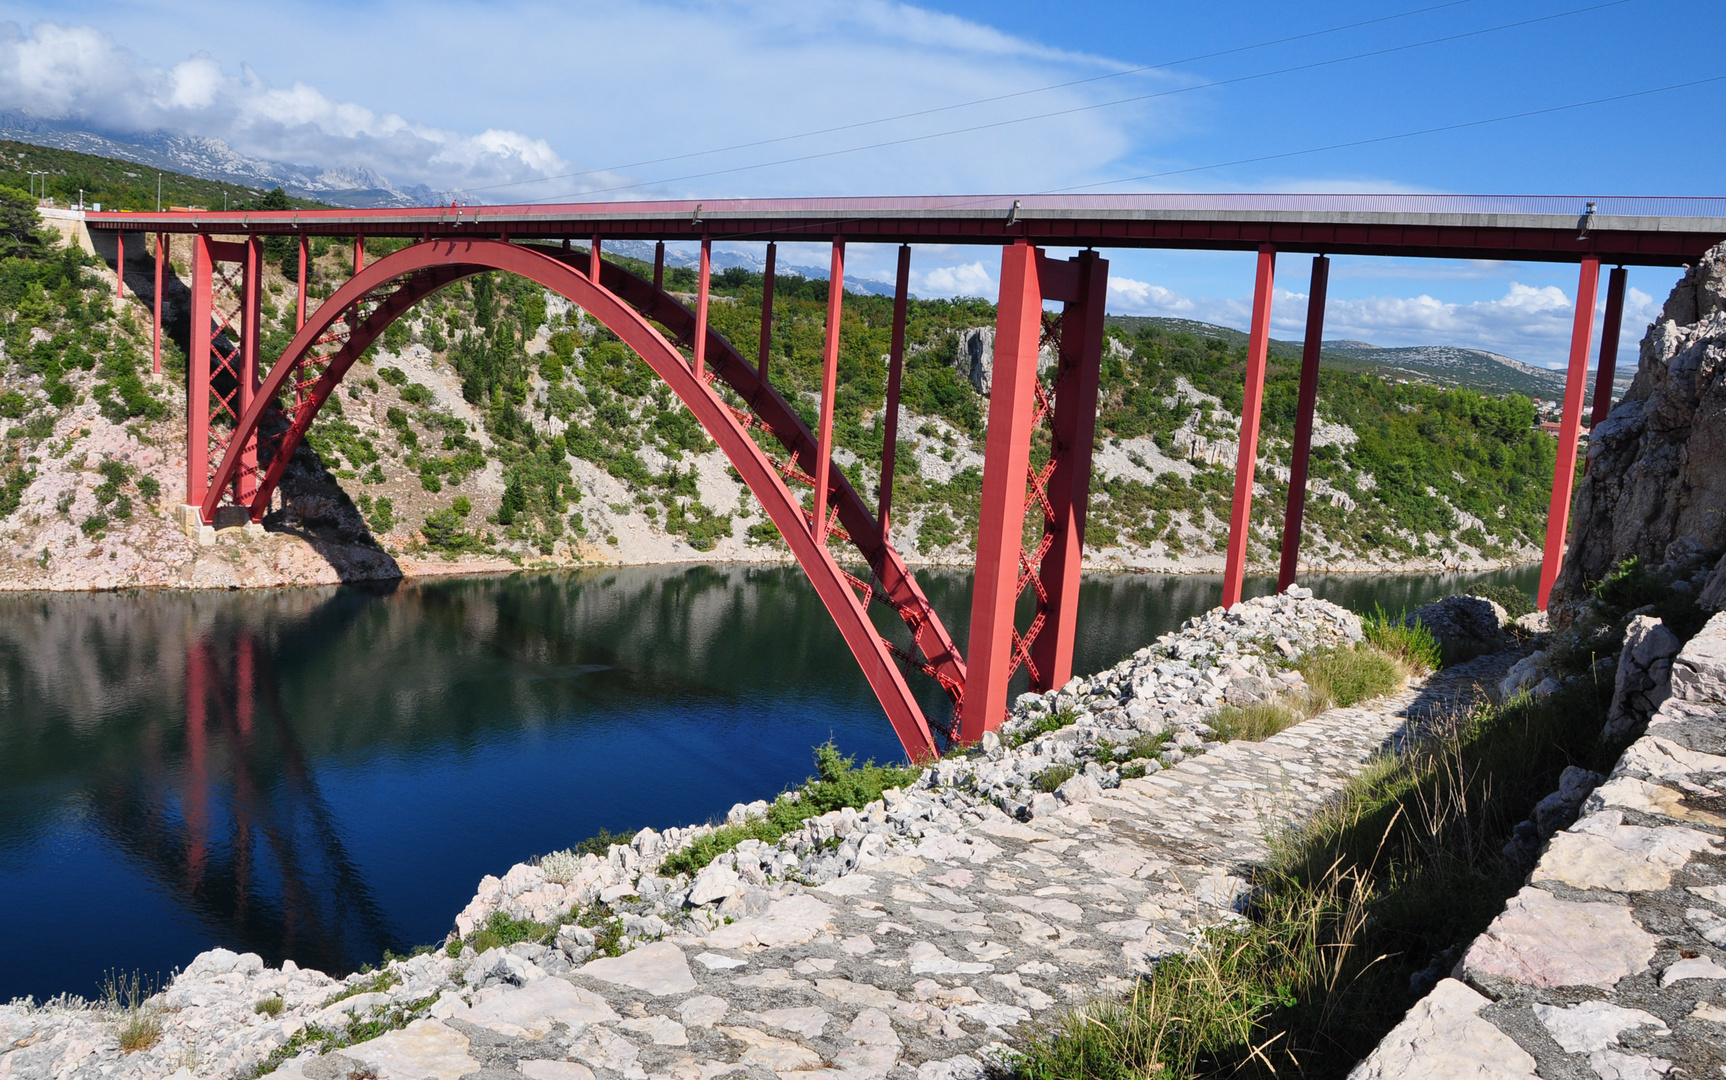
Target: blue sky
x,y
476,95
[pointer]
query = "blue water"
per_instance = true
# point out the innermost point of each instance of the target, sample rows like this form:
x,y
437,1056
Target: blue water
x,y
324,774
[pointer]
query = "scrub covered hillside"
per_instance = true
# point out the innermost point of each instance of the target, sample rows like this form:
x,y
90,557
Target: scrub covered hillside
x,y
496,424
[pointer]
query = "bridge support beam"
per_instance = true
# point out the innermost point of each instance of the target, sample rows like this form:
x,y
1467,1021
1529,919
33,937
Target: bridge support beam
x,y
829,388
1305,405
300,294
1611,321
765,353
1069,491
156,307
895,375
1006,464
119,265
1258,345
703,282
198,375
1569,430
251,325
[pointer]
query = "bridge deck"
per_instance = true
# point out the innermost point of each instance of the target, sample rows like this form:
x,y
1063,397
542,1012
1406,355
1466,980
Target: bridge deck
x,y
1636,231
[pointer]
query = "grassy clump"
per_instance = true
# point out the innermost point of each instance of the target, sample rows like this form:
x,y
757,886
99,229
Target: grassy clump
x,y
1052,777
1259,720
1361,910
1055,721
378,983
503,930
270,1006
1413,645
1336,676
839,782
379,1020
1348,676
140,1024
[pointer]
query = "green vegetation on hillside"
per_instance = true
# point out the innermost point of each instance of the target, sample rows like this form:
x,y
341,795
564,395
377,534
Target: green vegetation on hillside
x,y
54,332
116,184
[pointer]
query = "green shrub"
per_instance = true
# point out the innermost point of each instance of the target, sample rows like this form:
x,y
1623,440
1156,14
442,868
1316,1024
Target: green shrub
x,y
839,782
270,1006
1054,721
1053,777
1513,600
416,394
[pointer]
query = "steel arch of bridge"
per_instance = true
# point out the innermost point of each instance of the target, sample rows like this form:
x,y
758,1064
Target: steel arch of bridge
x,y
272,415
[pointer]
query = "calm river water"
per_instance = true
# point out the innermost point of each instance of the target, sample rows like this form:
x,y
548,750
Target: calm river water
x,y
325,773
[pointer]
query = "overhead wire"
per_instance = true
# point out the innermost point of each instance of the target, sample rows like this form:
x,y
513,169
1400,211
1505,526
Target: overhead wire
x,y
916,113
968,129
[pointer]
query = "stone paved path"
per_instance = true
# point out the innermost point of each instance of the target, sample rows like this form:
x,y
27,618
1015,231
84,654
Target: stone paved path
x,y
932,952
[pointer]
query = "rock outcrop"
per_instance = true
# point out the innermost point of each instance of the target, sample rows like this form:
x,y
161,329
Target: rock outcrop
x,y
975,358
1657,464
1464,624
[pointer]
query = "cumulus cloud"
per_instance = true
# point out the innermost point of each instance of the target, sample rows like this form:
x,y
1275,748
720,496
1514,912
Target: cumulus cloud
x,y
629,99
963,279
1129,297
80,75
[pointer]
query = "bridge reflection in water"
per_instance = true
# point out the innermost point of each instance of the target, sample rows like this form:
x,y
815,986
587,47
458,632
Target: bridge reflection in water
x,y
321,774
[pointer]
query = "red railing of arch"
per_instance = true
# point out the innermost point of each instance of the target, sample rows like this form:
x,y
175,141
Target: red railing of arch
x,y
624,304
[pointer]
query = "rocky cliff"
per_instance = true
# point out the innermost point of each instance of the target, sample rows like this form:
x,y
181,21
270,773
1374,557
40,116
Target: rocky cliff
x,y
1657,464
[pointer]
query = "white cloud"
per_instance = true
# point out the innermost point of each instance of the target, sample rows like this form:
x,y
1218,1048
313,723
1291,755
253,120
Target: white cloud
x,y
964,279
1129,297
81,75
589,87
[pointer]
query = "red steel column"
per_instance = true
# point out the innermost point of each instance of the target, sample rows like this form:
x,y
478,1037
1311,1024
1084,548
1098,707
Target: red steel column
x,y
659,266
1075,429
593,261
895,374
702,282
156,318
766,350
300,296
829,386
198,376
1006,464
251,328
359,253
1611,321
1308,401
1258,344
1569,431
119,265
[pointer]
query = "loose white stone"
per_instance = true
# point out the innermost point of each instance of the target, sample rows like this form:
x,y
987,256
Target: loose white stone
x,y
1541,940
926,959
1599,854
1593,1025
663,1030
713,961
702,1010
1444,1038
779,1055
425,1048
807,1022
658,969
1700,967
531,1010
1611,1065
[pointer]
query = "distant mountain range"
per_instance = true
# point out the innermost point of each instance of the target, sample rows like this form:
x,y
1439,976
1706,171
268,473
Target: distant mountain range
x,y
213,159
1441,365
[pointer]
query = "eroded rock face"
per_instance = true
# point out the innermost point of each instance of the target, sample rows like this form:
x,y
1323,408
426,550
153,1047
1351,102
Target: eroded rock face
x,y
975,358
1657,464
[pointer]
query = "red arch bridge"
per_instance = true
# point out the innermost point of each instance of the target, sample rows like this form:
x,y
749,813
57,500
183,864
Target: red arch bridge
x,y
262,416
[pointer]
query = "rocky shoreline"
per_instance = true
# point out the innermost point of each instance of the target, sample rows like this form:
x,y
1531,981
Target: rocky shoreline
x,y
911,935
